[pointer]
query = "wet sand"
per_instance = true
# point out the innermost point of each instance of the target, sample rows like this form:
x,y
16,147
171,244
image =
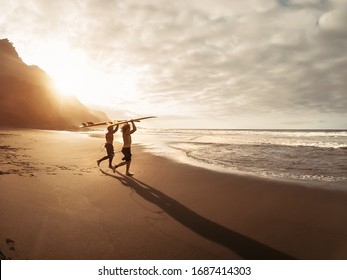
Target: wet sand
x,y
56,203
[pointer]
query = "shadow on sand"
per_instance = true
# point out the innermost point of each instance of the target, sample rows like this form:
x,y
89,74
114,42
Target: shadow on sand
x,y
244,246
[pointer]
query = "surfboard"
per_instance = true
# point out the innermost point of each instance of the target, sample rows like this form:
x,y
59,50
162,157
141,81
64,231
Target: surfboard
x,y
114,122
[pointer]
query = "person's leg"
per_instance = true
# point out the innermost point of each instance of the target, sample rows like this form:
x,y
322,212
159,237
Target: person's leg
x,y
127,168
128,161
110,158
110,154
102,159
127,158
119,165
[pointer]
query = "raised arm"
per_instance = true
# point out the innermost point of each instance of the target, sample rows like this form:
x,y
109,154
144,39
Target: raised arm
x,y
116,129
113,130
134,127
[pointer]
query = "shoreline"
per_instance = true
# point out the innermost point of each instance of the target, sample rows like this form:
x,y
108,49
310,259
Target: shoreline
x,y
186,160
60,205
177,147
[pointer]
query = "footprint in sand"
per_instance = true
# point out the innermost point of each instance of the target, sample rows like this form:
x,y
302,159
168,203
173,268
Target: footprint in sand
x,y
13,253
10,243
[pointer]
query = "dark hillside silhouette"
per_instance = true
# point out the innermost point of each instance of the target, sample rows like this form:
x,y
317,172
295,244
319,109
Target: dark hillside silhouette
x,y
28,98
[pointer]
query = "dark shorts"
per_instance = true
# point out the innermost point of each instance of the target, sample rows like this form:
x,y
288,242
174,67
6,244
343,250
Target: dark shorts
x,y
127,154
109,149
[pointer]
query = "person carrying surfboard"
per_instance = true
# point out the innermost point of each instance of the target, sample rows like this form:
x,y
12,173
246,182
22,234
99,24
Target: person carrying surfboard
x,y
126,150
109,146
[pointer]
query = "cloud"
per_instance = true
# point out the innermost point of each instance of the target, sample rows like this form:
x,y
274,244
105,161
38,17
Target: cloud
x,y
335,20
219,58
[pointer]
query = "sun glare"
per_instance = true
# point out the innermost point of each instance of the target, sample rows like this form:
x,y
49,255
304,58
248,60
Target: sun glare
x,y
74,75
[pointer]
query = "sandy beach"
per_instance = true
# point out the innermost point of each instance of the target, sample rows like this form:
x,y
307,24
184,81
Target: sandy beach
x,y
56,203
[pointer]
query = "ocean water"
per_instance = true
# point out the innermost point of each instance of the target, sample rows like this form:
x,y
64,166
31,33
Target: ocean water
x,y
307,156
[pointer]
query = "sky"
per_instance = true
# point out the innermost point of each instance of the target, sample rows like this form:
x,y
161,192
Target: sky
x,y
279,64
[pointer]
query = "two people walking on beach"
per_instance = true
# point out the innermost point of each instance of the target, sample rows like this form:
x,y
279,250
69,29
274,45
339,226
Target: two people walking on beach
x,y
126,149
